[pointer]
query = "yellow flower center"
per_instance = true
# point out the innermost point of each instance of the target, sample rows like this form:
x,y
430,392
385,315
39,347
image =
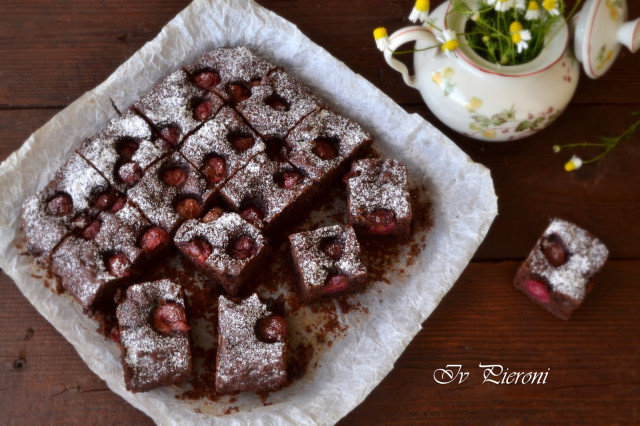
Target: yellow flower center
x,y
516,37
450,45
515,27
379,33
570,166
550,4
533,5
422,5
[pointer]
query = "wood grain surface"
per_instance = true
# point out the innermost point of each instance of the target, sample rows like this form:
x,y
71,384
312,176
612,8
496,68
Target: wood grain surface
x,y
53,51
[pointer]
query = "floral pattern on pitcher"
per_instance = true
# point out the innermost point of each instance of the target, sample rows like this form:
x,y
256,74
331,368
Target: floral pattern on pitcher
x,y
614,6
603,57
444,79
505,122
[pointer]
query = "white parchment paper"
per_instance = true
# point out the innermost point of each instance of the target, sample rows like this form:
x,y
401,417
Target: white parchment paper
x,y
464,206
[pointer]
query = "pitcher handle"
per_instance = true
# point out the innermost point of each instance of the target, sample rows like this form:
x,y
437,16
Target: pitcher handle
x,y
400,37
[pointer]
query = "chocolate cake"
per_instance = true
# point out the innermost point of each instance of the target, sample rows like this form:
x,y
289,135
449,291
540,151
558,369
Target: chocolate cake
x,y
378,199
122,151
228,248
175,107
48,216
557,273
252,348
323,141
229,71
277,104
172,191
221,147
266,192
154,336
328,262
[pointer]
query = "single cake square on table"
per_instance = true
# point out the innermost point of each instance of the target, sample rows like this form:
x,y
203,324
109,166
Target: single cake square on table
x,y
49,216
175,107
154,336
227,247
328,262
378,199
171,191
229,71
323,141
266,192
557,274
222,146
277,104
123,150
252,348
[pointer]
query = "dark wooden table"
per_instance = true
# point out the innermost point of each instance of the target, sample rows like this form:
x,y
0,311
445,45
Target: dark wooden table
x,y
53,51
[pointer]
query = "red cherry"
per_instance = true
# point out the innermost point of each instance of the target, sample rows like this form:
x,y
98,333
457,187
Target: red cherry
x,y
381,221
332,247
207,79
119,203
90,232
105,201
119,266
60,205
253,215
174,176
335,284
197,250
272,329
214,214
554,251
170,134
538,290
243,248
238,92
242,142
291,179
203,111
324,149
189,208
154,240
130,173
214,169
127,147
170,317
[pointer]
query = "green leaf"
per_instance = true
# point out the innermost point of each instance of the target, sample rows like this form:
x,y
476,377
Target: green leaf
x,y
525,125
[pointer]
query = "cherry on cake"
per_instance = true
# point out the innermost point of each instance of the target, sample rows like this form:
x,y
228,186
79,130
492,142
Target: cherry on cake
x,y
328,262
221,147
557,273
225,246
175,107
378,199
229,71
154,336
252,347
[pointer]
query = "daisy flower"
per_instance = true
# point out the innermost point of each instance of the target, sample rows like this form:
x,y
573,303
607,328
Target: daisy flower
x,y
573,164
519,36
521,5
533,11
420,11
450,41
382,38
551,6
502,5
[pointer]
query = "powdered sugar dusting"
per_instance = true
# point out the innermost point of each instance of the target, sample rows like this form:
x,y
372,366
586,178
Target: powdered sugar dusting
x,y
375,184
244,361
171,103
315,265
273,123
121,232
150,358
348,135
257,183
587,255
235,64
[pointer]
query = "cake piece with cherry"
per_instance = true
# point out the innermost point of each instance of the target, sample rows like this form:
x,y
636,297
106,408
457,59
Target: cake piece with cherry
x,y
557,273
328,262
277,104
154,336
378,199
229,72
267,193
123,150
221,147
175,107
225,246
323,142
252,347
172,191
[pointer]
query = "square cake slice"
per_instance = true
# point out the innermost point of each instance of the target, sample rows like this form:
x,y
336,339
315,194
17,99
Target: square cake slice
x,y
328,262
122,151
266,192
48,217
154,336
323,142
227,247
378,199
175,107
277,104
222,146
252,348
217,71
171,191
557,274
